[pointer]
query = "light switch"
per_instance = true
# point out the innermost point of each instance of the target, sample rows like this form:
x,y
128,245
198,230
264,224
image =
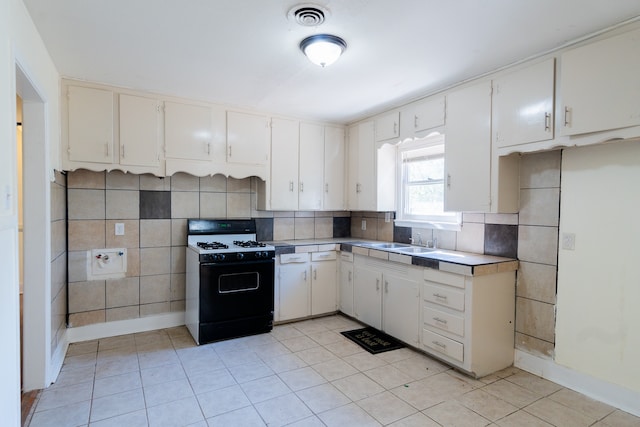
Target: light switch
x,y
119,229
569,241
364,224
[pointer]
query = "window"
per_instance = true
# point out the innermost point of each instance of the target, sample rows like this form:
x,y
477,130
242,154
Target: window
x,y
421,182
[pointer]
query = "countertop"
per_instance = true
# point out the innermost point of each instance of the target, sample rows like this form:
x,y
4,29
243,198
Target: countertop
x,y
466,263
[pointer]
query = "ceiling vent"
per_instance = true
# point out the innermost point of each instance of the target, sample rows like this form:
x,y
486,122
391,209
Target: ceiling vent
x,y
308,15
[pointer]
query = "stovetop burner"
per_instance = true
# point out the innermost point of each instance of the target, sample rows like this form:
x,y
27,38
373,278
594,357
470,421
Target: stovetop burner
x,y
212,245
249,244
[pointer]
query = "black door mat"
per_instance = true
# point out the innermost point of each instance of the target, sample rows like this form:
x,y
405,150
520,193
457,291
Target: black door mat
x,y
373,340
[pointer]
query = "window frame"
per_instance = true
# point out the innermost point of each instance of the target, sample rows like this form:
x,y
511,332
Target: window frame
x,y
448,221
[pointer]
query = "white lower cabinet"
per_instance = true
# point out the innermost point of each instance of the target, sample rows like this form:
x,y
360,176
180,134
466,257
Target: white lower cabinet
x,y
468,321
324,289
293,286
305,285
346,284
386,296
367,294
401,304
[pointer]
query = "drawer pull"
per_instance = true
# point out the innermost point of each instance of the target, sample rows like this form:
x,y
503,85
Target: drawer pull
x,y
444,297
439,320
439,344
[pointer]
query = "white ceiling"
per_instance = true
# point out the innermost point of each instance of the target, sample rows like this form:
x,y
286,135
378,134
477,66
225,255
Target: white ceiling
x,y
245,52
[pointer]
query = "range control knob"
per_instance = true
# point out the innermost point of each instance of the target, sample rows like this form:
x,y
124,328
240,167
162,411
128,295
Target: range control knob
x,y
218,257
240,255
260,254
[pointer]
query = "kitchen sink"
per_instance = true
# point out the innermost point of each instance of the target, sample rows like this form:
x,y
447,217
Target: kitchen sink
x,y
415,250
387,245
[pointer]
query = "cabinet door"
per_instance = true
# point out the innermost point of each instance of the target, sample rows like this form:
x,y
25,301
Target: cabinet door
x,y
193,132
284,164
346,288
139,131
352,168
294,291
468,149
388,126
367,296
333,168
324,290
247,138
429,114
600,85
90,125
401,308
311,169
523,105
366,178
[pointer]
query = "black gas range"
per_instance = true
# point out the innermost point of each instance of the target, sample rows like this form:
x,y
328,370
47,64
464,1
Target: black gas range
x,y
230,284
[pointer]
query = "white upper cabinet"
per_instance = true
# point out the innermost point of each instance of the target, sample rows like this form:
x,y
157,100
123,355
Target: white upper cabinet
x,y
523,105
372,171
247,138
600,85
90,125
468,149
362,160
311,167
388,126
334,165
194,132
307,167
285,136
429,114
139,131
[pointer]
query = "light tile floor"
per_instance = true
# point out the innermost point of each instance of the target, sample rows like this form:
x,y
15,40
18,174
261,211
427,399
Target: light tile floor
x,y
300,374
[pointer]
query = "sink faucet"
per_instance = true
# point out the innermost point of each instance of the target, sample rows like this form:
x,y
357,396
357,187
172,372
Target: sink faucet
x,y
413,241
434,243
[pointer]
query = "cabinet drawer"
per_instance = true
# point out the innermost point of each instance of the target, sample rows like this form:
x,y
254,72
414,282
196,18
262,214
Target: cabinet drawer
x,y
445,321
293,258
323,256
346,256
444,296
443,345
443,277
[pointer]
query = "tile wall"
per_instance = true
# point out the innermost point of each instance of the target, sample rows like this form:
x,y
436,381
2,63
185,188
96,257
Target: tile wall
x,y
538,252
154,212
58,259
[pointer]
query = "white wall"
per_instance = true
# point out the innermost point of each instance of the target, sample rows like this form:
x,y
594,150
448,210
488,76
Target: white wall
x,y
598,302
19,41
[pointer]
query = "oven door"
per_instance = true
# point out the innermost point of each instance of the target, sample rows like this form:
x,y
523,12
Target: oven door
x,y
239,290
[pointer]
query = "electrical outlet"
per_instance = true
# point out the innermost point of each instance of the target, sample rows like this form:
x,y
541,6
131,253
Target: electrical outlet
x,y
569,241
387,217
364,224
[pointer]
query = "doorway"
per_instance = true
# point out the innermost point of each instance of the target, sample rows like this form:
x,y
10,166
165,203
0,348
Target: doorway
x,y
35,343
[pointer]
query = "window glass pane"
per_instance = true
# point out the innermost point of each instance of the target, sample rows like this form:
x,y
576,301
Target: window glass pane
x,y
425,199
425,169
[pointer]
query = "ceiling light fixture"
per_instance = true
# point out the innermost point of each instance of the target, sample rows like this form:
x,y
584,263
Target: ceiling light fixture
x,y
323,49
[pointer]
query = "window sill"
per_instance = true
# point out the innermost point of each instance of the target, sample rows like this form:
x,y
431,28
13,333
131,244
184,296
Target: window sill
x,y
452,226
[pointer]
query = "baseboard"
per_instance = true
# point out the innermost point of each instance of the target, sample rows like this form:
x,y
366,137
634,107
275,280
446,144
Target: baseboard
x,y
57,358
611,394
123,327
